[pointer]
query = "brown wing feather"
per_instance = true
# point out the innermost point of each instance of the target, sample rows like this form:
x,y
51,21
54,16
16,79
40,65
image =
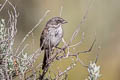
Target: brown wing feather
x,y
43,35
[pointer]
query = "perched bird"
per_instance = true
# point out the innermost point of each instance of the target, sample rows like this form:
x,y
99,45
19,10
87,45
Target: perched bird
x,y
51,36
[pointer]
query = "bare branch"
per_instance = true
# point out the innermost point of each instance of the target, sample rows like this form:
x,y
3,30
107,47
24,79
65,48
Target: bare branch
x,y
66,70
32,30
23,49
3,5
61,10
82,63
97,55
81,22
79,41
89,48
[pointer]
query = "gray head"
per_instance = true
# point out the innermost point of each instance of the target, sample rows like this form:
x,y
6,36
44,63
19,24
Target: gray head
x,y
56,21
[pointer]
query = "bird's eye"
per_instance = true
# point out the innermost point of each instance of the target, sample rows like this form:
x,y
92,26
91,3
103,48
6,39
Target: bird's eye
x,y
58,21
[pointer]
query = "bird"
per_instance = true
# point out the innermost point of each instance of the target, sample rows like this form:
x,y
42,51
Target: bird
x,y
51,36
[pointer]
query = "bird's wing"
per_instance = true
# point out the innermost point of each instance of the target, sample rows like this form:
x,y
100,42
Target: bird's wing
x,y
42,38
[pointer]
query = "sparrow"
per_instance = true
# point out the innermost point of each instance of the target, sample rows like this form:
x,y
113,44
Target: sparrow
x,y
50,37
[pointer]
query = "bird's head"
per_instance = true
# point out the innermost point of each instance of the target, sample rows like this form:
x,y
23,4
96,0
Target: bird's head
x,y
55,21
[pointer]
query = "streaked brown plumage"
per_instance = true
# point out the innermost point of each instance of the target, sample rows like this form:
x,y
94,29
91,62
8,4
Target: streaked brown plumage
x,y
51,37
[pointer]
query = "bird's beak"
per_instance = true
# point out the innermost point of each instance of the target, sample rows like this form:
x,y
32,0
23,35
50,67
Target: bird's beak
x,y
64,22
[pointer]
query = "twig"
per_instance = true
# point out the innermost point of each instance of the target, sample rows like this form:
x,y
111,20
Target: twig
x,y
61,10
32,30
66,70
82,63
97,55
23,49
79,41
89,48
3,5
81,22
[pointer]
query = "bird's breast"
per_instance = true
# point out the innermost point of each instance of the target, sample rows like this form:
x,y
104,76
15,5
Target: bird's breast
x,y
56,35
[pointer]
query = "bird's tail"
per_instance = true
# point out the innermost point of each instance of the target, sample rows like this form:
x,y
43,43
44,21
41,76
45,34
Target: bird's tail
x,y
45,60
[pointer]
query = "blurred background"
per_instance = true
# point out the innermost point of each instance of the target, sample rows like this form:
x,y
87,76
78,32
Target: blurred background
x,y
103,19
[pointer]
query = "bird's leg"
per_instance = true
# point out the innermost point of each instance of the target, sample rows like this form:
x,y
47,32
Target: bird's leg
x,y
63,49
64,53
